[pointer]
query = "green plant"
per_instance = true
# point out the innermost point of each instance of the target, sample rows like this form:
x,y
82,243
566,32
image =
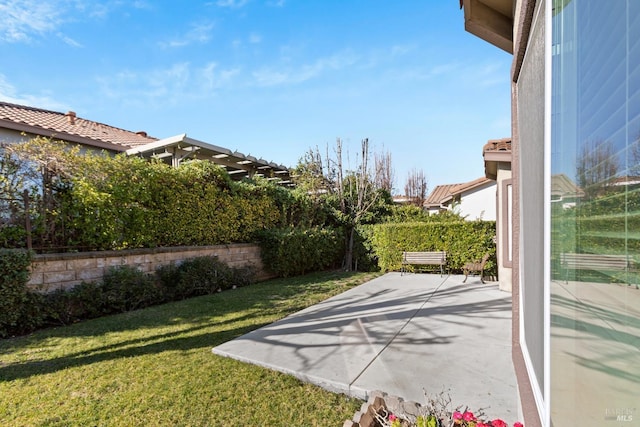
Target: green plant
x,y
14,296
84,301
102,202
464,241
126,288
295,251
168,278
202,275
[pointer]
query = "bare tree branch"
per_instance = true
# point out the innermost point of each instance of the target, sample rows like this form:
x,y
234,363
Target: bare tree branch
x,y
416,187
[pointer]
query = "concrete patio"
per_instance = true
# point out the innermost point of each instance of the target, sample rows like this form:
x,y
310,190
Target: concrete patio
x,y
404,335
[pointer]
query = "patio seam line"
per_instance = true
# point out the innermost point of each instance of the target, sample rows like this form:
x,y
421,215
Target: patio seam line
x,y
397,333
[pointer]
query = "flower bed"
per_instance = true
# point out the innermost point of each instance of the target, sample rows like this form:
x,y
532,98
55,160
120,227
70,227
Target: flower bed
x,y
382,410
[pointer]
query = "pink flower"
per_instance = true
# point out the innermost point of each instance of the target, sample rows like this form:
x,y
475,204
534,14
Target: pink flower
x,y
457,416
481,424
498,423
392,417
468,416
518,424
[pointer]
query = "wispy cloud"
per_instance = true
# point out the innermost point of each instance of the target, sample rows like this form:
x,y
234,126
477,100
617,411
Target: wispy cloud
x,y
23,19
234,4
141,4
402,49
284,75
68,40
491,74
171,84
215,79
255,38
199,33
276,3
8,93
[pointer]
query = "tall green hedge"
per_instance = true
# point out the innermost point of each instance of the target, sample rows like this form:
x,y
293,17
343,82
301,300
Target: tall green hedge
x,y
145,204
16,302
464,241
95,201
293,251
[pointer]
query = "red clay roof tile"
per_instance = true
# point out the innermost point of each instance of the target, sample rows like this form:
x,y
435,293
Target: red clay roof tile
x,y
56,124
503,144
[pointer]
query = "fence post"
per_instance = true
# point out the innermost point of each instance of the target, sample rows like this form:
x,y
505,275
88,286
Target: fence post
x,y
27,218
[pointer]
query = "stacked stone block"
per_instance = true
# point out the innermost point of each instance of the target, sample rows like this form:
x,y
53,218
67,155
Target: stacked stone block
x,y
54,271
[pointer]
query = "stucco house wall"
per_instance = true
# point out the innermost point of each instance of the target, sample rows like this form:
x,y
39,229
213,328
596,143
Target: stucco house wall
x,y
479,203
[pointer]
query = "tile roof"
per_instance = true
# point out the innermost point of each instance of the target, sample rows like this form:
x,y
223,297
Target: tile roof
x,y
562,185
443,193
67,126
438,194
461,188
503,144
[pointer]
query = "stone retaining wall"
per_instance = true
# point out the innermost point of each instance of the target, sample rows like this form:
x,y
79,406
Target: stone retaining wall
x,y
53,271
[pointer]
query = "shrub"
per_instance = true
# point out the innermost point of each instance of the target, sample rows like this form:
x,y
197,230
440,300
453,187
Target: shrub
x,y
201,276
126,288
168,278
363,253
122,289
295,251
243,276
32,315
14,297
83,301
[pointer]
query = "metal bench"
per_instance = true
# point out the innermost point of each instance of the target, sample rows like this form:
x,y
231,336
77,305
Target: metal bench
x,y
594,262
475,268
437,258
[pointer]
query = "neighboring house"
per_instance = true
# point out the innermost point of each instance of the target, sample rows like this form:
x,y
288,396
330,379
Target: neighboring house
x,y
20,123
402,200
497,167
433,203
574,80
564,191
472,200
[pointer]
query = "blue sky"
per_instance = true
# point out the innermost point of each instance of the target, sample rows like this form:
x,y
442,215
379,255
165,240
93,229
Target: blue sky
x,y
269,78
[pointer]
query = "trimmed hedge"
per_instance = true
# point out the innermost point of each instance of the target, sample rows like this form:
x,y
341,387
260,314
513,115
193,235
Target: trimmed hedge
x,y
145,204
294,251
16,311
103,202
464,241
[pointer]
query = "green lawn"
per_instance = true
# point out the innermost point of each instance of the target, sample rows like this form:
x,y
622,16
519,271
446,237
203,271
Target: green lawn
x,y
154,367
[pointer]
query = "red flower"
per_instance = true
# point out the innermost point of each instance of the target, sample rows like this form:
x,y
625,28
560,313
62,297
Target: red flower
x,y
468,416
518,424
392,417
481,424
498,423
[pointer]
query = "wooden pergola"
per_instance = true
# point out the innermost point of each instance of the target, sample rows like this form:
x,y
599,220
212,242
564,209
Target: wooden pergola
x,y
175,149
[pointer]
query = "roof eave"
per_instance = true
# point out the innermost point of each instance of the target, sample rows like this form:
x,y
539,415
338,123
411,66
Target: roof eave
x,y
491,160
487,22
